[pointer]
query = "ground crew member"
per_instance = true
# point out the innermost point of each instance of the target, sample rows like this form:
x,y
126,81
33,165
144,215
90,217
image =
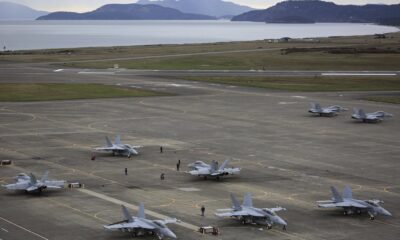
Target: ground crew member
x,y
126,171
203,209
178,165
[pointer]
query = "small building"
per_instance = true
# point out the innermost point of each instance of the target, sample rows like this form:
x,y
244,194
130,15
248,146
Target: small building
x,y
380,36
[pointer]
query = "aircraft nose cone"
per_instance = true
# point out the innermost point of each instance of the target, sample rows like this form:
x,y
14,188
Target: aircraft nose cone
x,y
386,212
280,221
168,233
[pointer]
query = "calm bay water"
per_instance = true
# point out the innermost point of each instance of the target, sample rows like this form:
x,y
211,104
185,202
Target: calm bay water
x,y
67,34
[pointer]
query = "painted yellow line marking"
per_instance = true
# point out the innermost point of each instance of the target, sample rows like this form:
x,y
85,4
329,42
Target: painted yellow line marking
x,y
27,230
134,207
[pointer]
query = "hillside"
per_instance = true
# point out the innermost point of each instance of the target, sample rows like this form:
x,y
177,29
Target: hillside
x,y
320,11
13,11
217,8
127,12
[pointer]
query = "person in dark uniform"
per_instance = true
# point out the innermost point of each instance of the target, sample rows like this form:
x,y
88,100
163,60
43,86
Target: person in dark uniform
x,y
203,209
178,165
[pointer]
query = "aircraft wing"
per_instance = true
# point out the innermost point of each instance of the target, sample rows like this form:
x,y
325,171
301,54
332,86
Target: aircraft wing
x,y
167,221
277,209
109,149
328,205
53,187
232,214
231,170
350,204
247,212
134,224
341,204
31,188
226,171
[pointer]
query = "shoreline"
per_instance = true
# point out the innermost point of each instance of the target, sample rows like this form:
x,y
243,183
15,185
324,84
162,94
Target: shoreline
x,y
165,40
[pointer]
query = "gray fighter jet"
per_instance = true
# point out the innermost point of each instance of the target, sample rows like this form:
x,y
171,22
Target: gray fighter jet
x,y
374,117
246,213
140,225
327,111
118,148
202,169
31,184
352,206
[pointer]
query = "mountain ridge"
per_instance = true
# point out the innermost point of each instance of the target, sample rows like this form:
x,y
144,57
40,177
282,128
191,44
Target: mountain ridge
x,y
322,11
127,12
216,8
15,11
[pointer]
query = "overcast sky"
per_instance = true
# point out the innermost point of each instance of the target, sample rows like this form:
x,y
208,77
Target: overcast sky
x,y
85,5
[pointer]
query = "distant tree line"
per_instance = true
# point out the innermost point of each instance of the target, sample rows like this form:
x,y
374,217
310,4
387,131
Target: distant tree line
x,y
395,21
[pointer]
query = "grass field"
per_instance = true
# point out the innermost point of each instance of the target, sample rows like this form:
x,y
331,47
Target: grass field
x,y
311,84
104,53
263,60
54,91
386,99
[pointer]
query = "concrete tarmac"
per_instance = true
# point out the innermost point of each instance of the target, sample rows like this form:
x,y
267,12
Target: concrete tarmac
x,y
288,157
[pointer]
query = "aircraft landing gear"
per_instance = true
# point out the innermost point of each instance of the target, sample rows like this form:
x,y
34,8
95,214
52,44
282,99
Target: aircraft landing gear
x,y
284,228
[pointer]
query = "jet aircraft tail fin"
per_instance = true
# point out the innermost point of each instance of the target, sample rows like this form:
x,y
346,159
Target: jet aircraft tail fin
x,y
141,213
347,192
109,144
362,113
223,165
45,176
118,140
247,201
235,202
214,166
127,215
33,179
318,107
335,195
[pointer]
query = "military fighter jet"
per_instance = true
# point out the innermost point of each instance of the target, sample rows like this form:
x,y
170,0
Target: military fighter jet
x,y
351,205
118,148
140,225
202,169
374,117
326,112
31,184
246,213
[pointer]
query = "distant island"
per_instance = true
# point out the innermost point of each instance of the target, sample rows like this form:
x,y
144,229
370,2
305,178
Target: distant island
x,y
127,12
215,8
308,11
291,19
14,11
